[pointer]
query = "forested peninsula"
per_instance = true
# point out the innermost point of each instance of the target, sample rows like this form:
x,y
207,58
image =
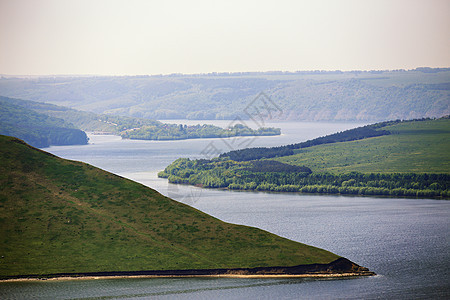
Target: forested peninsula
x,y
39,130
395,158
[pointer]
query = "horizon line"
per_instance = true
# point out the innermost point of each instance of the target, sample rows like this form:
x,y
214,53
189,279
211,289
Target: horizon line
x,y
272,72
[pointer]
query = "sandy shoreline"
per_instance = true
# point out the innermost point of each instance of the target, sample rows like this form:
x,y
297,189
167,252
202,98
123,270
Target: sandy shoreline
x,y
64,278
339,268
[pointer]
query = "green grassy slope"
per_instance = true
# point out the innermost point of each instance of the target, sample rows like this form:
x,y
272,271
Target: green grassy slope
x,y
63,216
418,147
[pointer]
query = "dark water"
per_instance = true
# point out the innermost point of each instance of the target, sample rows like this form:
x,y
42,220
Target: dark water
x,y
405,241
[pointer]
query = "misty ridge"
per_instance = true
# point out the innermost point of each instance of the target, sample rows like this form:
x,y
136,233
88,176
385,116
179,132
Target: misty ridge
x,y
308,96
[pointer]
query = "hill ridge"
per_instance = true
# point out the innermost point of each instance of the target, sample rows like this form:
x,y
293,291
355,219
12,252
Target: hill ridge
x,y
309,96
60,216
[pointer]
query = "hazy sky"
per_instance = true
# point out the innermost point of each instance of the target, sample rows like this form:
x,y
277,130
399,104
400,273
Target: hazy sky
x,y
130,37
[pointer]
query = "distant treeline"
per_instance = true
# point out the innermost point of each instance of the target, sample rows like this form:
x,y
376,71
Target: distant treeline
x,y
278,177
314,72
37,129
304,95
359,133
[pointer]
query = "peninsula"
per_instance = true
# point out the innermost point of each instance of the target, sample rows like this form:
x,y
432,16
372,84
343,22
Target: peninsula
x,y
394,158
39,130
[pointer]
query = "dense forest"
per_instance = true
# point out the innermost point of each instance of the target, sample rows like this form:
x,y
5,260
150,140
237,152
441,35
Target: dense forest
x,y
137,128
370,96
38,130
253,171
278,177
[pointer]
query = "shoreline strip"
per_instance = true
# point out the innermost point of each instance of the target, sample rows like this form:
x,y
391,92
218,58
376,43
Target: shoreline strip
x,y
260,276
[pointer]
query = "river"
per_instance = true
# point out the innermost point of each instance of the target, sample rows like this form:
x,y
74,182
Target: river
x,y
405,241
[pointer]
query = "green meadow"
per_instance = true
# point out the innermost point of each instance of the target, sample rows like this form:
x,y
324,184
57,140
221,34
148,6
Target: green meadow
x,y
412,147
65,216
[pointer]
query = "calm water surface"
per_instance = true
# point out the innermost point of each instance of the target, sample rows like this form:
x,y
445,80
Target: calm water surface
x,y
405,241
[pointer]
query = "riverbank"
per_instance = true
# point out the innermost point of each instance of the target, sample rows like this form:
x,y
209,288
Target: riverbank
x,y
341,267
328,276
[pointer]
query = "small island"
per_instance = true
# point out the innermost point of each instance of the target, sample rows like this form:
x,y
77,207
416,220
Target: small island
x,y
181,132
67,219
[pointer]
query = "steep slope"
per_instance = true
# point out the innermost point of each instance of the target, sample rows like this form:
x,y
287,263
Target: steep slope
x,y
60,216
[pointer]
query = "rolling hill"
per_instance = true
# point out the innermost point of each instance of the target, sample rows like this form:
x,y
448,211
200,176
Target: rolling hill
x,y
59,216
126,127
332,96
411,147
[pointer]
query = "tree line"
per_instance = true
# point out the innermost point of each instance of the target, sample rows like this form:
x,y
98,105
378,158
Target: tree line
x,y
258,176
359,133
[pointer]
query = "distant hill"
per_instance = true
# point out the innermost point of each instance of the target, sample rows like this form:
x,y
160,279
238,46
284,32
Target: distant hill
x,y
129,127
330,96
417,146
37,129
83,120
60,216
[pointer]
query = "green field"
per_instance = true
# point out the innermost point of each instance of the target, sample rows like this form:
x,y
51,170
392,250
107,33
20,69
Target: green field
x,y
416,147
63,216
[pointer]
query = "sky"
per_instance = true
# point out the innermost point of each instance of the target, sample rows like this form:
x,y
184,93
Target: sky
x,y
145,37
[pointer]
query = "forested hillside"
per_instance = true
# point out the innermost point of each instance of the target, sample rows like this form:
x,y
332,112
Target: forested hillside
x,y
350,96
128,127
37,129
